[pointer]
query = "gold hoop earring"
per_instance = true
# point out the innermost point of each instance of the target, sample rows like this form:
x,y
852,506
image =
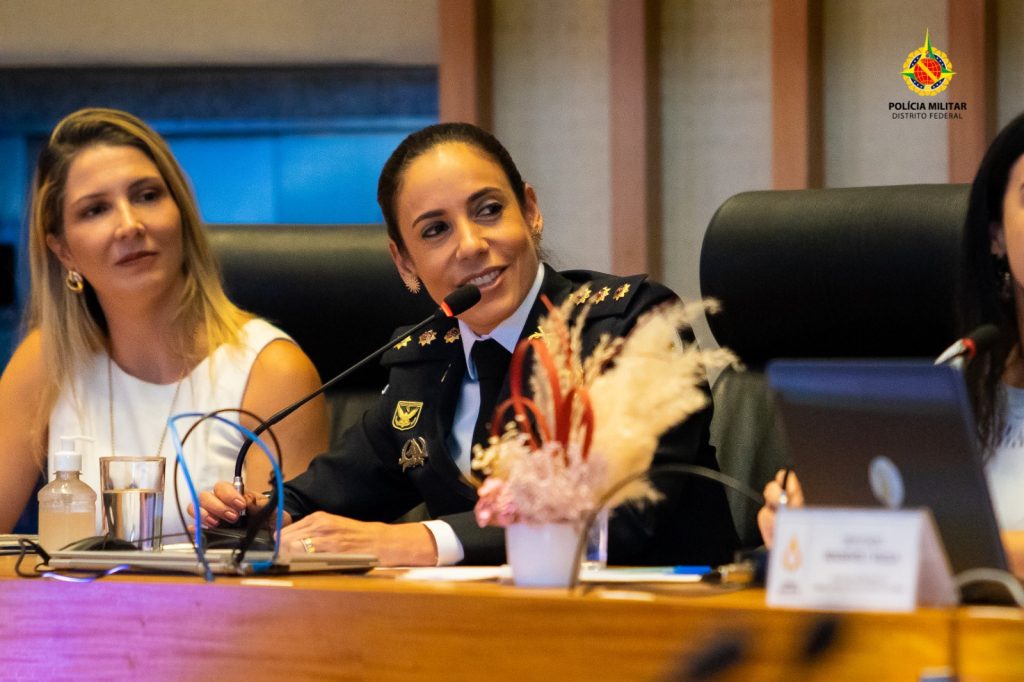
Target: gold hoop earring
x,y
412,283
74,282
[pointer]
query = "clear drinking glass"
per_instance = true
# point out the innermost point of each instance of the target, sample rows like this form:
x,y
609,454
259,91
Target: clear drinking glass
x,y
133,499
597,543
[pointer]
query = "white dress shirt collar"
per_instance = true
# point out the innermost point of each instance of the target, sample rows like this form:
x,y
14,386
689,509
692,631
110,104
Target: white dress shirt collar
x,y
508,332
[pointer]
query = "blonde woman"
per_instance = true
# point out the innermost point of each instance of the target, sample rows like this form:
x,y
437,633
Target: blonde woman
x,y
128,323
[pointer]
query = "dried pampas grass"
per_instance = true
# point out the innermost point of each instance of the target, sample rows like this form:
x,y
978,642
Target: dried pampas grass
x,y
638,387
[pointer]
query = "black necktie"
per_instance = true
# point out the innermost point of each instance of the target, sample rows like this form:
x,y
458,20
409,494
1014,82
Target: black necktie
x,y
491,361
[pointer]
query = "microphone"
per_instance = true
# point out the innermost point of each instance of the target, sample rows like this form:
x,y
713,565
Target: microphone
x,y
454,304
963,350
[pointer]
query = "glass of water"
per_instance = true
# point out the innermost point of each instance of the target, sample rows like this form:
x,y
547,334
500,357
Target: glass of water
x,y
597,543
133,499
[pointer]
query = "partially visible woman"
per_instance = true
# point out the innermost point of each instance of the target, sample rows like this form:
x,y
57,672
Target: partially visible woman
x,y
457,212
128,323
991,292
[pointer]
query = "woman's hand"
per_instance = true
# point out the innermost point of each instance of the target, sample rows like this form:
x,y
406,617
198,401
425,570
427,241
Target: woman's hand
x,y
772,500
403,544
224,503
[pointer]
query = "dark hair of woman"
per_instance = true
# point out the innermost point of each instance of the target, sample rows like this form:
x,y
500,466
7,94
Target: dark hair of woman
x,y
986,283
423,141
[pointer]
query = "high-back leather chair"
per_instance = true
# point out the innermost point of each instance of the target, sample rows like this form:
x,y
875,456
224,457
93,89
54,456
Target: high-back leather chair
x,y
850,272
333,288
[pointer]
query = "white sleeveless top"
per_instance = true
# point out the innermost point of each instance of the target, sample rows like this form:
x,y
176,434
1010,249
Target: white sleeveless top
x,y
1005,468
140,412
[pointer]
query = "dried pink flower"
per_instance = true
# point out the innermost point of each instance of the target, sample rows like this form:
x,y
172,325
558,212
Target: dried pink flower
x,y
637,388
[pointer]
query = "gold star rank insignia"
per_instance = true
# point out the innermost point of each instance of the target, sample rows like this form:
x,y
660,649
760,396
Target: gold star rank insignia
x,y
601,295
427,337
403,343
621,291
414,453
581,295
407,413
452,336
539,334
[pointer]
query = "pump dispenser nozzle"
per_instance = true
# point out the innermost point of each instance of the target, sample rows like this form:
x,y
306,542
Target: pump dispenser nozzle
x,y
68,458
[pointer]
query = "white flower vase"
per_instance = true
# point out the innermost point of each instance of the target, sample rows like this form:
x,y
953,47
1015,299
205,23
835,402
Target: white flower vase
x,y
541,555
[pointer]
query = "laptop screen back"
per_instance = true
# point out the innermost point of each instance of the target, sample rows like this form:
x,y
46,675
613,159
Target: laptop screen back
x,y
894,433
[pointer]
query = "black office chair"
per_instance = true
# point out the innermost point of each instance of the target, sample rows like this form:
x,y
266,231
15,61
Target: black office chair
x,y
333,288
852,272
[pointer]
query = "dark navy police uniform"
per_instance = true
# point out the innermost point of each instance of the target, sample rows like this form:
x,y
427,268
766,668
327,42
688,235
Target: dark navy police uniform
x,y
363,479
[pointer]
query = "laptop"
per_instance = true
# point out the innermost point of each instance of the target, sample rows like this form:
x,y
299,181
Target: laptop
x,y
896,433
183,559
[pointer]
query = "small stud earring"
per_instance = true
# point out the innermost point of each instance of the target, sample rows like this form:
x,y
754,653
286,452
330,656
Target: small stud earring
x,y
74,282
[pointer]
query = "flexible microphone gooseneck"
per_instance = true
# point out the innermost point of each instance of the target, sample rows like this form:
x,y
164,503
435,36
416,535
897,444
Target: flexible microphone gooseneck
x,y
455,303
963,350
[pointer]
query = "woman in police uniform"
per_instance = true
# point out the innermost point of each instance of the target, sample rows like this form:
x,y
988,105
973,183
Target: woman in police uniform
x,y
458,212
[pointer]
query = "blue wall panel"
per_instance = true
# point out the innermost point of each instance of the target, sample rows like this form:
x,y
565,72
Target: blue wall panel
x,y
233,177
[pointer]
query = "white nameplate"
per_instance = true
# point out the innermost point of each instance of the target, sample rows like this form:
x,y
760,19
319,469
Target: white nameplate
x,y
858,560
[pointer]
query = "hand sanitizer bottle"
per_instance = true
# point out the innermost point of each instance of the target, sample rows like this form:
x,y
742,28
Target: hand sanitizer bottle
x,y
67,506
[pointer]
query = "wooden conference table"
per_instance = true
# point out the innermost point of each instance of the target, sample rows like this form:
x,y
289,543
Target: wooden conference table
x,y
381,627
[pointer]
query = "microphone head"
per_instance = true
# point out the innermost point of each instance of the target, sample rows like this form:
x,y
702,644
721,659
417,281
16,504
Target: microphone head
x,y
984,337
461,300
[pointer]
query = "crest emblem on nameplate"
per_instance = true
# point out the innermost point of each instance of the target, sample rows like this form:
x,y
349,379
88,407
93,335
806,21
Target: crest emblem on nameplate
x,y
414,453
407,413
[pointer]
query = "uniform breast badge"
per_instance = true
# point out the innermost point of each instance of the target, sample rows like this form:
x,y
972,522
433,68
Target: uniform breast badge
x,y
407,414
427,337
414,453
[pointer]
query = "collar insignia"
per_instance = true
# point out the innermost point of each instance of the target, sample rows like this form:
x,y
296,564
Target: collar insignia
x,y
403,343
601,295
452,335
621,291
427,337
580,295
414,453
407,413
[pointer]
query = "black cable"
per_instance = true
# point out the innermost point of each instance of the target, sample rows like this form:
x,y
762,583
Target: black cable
x,y
29,547
783,495
257,521
177,500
